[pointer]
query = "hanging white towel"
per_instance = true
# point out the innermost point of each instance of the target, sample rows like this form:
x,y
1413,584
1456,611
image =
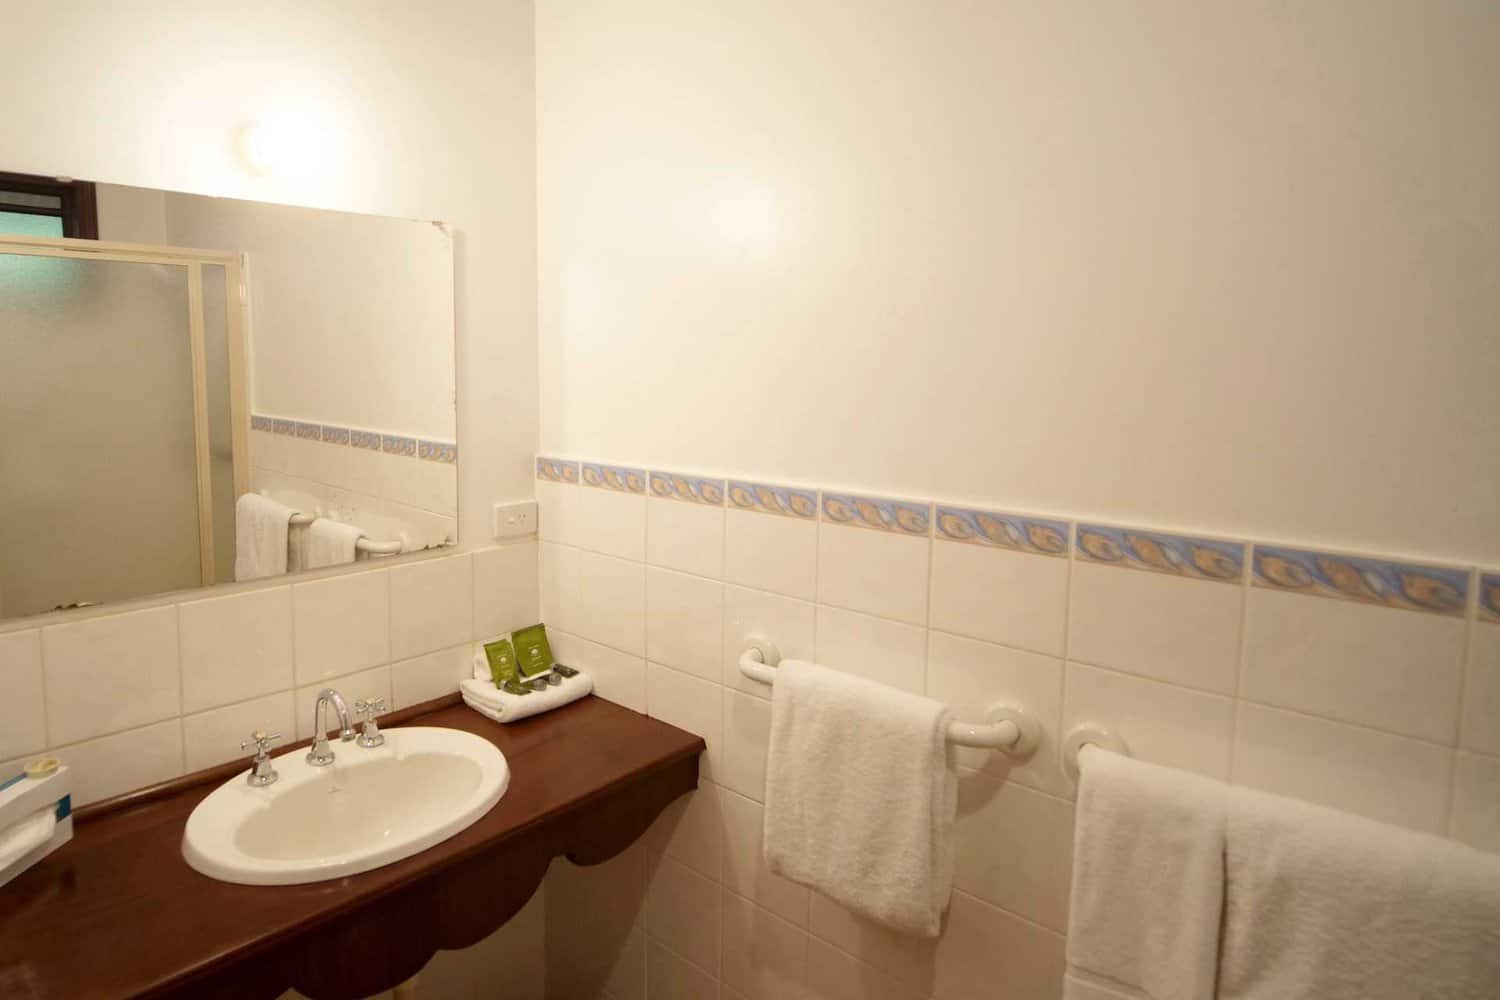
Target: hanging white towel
x,y
1148,881
860,799
327,543
1330,906
260,537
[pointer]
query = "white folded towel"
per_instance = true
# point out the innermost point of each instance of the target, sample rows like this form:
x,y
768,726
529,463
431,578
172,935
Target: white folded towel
x,y
480,694
327,542
1326,905
260,537
860,799
26,836
1148,881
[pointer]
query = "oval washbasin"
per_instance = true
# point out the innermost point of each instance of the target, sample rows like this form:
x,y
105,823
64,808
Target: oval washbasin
x,y
368,808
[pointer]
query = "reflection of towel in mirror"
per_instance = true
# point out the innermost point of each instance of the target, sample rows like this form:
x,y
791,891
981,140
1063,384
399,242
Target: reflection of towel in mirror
x,y
326,543
260,537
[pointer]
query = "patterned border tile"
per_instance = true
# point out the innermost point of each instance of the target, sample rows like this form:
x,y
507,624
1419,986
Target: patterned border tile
x,y
445,452
899,516
1434,589
368,440
309,432
788,501
556,470
280,426
1011,531
259,423
437,451
1489,597
614,477
395,444
335,435
1180,555
693,489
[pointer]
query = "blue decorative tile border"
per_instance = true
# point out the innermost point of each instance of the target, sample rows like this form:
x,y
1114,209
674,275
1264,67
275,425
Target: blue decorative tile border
x,y
1011,531
1180,555
785,500
900,516
1352,578
614,477
443,452
693,489
1489,597
556,470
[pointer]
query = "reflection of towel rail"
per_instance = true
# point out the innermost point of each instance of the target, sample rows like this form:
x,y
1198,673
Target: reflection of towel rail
x,y
361,545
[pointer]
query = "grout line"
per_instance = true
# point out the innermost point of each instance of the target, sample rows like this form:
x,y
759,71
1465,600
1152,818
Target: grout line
x,y
1242,653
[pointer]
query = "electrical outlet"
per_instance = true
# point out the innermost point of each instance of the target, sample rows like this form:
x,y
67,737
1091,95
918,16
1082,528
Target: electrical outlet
x,y
515,519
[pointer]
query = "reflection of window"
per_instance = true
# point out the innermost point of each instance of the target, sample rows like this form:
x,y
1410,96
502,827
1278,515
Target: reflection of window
x,y
47,206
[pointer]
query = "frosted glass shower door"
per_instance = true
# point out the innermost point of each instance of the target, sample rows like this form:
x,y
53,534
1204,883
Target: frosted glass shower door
x,y
99,492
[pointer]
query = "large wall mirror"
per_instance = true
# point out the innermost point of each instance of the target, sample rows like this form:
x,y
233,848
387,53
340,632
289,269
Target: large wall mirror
x,y
199,390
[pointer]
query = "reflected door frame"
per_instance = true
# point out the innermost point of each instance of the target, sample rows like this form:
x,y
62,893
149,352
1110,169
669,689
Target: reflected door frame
x,y
239,410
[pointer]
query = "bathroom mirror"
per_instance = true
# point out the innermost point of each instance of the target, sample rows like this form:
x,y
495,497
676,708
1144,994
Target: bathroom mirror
x,y
175,369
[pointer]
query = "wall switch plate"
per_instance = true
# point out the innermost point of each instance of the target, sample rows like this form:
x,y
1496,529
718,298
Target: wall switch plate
x,y
515,519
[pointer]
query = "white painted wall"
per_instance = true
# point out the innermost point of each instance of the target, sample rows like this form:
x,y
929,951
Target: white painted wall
x,y
1224,266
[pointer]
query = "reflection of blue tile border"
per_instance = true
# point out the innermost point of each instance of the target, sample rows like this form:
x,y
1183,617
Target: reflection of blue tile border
x,y
309,432
445,452
397,444
613,477
437,451
900,516
1489,597
556,470
786,500
1180,555
335,435
1435,589
259,423
693,489
1043,536
280,426
368,440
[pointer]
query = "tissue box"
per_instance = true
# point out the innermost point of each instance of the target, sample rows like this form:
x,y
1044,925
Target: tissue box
x,y
21,797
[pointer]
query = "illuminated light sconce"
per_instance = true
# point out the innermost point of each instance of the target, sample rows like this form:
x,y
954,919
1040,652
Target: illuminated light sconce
x,y
275,143
742,215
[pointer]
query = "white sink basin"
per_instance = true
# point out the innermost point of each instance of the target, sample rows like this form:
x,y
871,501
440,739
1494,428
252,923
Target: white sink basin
x,y
366,809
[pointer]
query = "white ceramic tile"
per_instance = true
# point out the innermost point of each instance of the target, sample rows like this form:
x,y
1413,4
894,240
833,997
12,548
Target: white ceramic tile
x,y
112,765
689,703
877,572
1016,598
505,589
771,552
108,674
1391,669
432,605
970,676
1164,627
745,869
765,958
612,893
685,621
670,978
683,912
982,946
685,536
747,734
789,623
598,597
1389,778
429,485
1481,709
611,967
1160,723
23,727
1014,848
1476,801
618,677
833,975
873,648
366,685
214,737
606,521
911,961
235,647
341,624
691,830
430,675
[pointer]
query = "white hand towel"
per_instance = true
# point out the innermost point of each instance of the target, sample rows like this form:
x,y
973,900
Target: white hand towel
x,y
480,694
27,835
1327,905
860,799
327,542
1148,881
260,537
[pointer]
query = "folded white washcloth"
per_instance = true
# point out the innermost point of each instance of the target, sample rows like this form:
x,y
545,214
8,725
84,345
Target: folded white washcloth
x,y
26,836
327,542
860,799
1328,905
480,694
260,537
1148,881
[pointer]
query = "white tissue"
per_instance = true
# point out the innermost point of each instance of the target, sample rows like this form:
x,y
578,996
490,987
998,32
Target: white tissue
x,y
26,836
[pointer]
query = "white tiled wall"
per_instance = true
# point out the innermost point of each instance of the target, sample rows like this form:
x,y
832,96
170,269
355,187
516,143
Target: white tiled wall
x,y
136,697
1347,704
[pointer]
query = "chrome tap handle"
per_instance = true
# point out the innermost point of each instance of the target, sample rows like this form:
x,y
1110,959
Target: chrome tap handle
x,y
260,739
365,710
261,773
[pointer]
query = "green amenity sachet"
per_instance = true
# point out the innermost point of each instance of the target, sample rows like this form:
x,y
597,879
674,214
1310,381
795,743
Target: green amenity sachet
x,y
533,652
502,660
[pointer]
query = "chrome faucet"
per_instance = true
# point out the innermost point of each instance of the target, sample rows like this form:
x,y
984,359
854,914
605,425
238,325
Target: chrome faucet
x,y
320,754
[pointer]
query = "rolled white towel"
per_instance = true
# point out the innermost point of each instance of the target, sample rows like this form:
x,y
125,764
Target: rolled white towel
x,y
480,694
